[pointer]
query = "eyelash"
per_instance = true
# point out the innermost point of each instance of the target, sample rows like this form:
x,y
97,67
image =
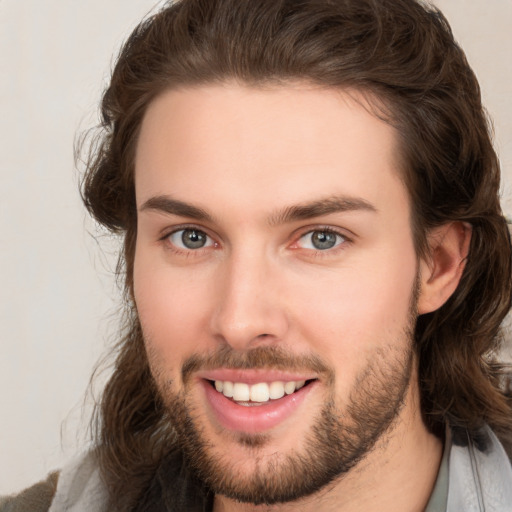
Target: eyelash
x,y
325,230
340,245
186,251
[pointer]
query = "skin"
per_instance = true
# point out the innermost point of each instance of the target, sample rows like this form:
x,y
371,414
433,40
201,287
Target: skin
x,y
246,156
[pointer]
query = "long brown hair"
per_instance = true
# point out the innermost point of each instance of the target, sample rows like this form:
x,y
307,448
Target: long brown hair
x,y
401,52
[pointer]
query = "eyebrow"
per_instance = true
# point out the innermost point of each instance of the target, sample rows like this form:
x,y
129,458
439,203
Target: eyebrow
x,y
166,204
326,206
318,208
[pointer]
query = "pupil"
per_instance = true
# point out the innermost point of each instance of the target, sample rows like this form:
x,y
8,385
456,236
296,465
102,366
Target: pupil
x,y
193,239
323,240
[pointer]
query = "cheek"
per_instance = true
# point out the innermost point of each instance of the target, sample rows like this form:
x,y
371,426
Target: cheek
x,y
171,308
357,311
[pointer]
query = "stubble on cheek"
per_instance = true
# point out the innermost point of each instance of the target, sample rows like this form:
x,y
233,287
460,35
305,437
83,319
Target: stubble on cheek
x,y
343,432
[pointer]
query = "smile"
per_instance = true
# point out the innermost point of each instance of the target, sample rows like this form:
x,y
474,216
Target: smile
x,y
262,392
254,403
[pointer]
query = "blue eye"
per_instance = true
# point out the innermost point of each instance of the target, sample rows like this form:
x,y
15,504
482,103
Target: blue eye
x,y
320,240
190,239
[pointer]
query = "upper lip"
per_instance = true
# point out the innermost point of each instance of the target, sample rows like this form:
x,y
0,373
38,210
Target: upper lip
x,y
253,376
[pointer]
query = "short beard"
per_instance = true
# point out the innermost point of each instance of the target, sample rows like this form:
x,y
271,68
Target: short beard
x,y
339,439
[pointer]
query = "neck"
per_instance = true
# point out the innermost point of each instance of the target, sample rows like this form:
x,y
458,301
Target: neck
x,y
399,474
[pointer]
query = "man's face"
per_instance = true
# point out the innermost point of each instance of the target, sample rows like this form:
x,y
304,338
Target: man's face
x,y
274,279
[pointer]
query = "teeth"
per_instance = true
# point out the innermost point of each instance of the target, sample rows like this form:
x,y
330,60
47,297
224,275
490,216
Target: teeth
x,y
241,392
289,387
276,390
227,389
261,392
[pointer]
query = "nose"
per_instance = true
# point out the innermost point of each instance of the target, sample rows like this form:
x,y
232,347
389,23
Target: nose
x,y
249,306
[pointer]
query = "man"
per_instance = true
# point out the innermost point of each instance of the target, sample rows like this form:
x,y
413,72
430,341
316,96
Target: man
x,y
316,267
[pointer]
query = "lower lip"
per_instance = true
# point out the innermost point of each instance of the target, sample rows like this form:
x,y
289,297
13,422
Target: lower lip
x,y
257,418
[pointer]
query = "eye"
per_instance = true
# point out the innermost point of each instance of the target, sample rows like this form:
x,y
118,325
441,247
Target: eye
x,y
190,239
320,240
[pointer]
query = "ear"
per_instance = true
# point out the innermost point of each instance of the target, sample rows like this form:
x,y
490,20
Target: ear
x,y
441,269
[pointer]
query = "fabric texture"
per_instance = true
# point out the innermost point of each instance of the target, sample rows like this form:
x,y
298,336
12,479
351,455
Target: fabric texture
x,y
80,488
439,496
480,475
37,498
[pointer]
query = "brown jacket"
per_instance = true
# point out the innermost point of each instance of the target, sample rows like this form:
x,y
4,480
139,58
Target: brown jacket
x,y
37,498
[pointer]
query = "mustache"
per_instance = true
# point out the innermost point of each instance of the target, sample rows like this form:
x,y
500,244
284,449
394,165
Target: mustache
x,y
271,357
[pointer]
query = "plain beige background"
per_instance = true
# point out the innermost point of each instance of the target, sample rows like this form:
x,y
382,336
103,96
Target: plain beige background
x,y
57,294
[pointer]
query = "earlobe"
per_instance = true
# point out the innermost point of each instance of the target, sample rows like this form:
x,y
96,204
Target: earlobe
x,y
441,270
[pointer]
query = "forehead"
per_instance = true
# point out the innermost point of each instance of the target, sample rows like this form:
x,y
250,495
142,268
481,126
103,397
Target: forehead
x,y
256,147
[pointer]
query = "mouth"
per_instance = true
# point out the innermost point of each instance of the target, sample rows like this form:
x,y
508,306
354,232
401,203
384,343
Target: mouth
x,y
250,403
261,393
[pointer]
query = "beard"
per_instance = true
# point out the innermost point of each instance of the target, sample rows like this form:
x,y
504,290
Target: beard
x,y
339,438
